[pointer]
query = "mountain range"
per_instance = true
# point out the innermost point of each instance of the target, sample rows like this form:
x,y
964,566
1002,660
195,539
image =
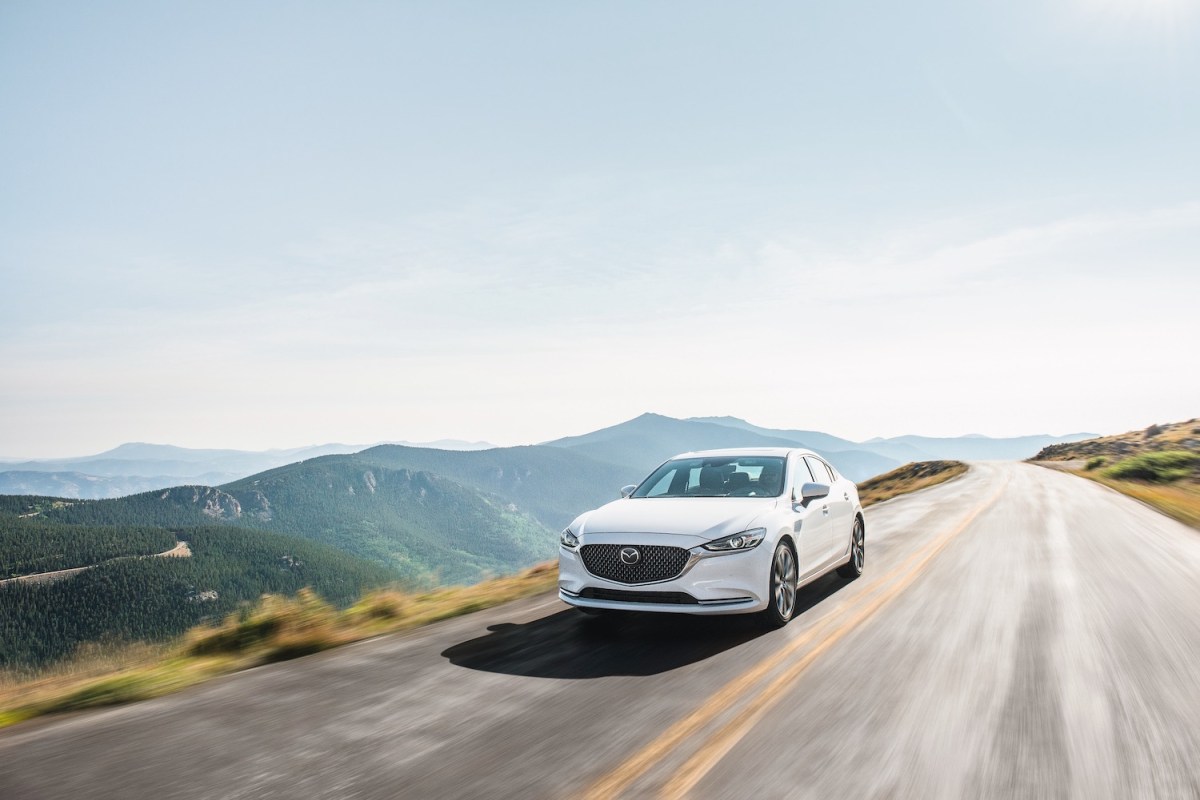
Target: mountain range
x,y
435,516
342,522
139,467
640,443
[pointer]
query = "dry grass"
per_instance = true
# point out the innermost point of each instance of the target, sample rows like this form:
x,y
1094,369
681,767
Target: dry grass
x,y
1159,465
1179,500
274,629
909,478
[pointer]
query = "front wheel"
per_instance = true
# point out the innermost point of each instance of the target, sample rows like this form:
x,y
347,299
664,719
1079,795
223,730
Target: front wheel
x,y
858,552
782,587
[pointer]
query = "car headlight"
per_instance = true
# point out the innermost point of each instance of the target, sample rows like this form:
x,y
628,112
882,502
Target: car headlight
x,y
568,539
746,540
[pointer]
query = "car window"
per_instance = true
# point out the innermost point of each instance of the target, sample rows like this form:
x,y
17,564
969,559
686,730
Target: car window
x,y
725,476
803,473
817,467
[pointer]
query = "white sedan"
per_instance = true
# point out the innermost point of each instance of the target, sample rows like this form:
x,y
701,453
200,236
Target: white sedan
x,y
716,532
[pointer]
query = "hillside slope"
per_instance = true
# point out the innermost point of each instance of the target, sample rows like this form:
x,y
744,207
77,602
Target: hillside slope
x,y
1168,436
132,596
552,484
427,528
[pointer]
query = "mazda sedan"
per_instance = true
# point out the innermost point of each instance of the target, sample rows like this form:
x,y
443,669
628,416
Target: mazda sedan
x,y
716,532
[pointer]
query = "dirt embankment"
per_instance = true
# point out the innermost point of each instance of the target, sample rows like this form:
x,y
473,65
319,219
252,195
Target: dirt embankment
x,y
908,478
1154,439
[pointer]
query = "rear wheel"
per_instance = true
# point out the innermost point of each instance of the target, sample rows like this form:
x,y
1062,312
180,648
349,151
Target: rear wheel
x,y
782,587
858,552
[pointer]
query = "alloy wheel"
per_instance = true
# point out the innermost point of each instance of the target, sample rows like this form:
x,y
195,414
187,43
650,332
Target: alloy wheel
x,y
784,574
860,547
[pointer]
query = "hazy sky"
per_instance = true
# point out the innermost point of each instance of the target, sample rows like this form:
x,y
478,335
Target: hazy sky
x,y
272,224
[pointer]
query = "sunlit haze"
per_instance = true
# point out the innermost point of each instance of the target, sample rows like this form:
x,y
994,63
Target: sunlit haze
x,y
262,225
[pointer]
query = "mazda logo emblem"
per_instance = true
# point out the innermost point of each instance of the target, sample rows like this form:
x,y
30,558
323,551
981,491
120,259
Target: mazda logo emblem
x,y
630,555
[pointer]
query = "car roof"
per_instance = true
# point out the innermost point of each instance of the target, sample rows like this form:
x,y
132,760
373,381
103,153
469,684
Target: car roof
x,y
745,451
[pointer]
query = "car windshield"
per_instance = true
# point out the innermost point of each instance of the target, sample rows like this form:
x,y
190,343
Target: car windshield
x,y
726,476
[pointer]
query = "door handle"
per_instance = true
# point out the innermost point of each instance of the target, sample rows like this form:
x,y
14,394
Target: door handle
x,y
825,510
846,495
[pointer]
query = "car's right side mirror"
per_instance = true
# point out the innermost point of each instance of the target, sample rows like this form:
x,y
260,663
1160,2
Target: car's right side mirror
x,y
809,492
628,490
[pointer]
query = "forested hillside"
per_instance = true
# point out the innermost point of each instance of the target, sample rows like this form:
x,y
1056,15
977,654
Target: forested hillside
x,y
34,545
552,484
134,599
338,524
427,528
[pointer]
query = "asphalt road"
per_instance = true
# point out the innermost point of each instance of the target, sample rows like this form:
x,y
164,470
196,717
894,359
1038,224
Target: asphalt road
x,y
1019,633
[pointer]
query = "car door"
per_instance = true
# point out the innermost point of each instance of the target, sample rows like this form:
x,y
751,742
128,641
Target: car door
x,y
812,524
841,509
827,506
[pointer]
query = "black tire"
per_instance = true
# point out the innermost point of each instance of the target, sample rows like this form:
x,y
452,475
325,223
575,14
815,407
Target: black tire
x,y
781,605
858,552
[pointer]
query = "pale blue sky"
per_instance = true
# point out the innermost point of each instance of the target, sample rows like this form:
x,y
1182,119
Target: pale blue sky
x,y
271,224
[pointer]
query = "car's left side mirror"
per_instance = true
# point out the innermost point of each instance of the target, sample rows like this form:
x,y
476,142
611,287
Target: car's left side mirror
x,y
628,490
808,492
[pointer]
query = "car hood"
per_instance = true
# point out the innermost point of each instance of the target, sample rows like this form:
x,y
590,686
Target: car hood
x,y
706,518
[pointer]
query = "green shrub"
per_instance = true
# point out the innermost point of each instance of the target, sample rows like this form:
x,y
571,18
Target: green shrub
x,y
1163,467
1096,462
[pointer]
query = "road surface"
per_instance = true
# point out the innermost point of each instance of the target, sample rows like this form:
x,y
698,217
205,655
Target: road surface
x,y
1018,633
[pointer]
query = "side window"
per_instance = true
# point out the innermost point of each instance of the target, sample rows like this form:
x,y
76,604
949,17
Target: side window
x,y
817,467
803,473
833,473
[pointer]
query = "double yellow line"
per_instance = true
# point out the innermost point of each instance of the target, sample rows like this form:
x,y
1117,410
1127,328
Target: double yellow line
x,y
825,633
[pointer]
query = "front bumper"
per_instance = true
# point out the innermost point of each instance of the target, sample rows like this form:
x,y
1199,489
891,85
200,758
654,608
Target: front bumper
x,y
728,583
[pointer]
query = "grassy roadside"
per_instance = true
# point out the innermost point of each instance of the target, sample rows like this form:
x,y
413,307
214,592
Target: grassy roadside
x,y
278,628
275,629
1159,465
1180,501
1160,480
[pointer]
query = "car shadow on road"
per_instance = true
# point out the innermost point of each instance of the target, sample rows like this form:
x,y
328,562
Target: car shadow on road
x,y
568,644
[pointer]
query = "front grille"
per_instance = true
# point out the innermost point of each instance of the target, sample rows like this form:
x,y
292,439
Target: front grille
x,y
668,598
657,562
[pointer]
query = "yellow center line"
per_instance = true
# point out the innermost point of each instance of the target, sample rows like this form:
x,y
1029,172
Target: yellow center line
x,y
633,768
